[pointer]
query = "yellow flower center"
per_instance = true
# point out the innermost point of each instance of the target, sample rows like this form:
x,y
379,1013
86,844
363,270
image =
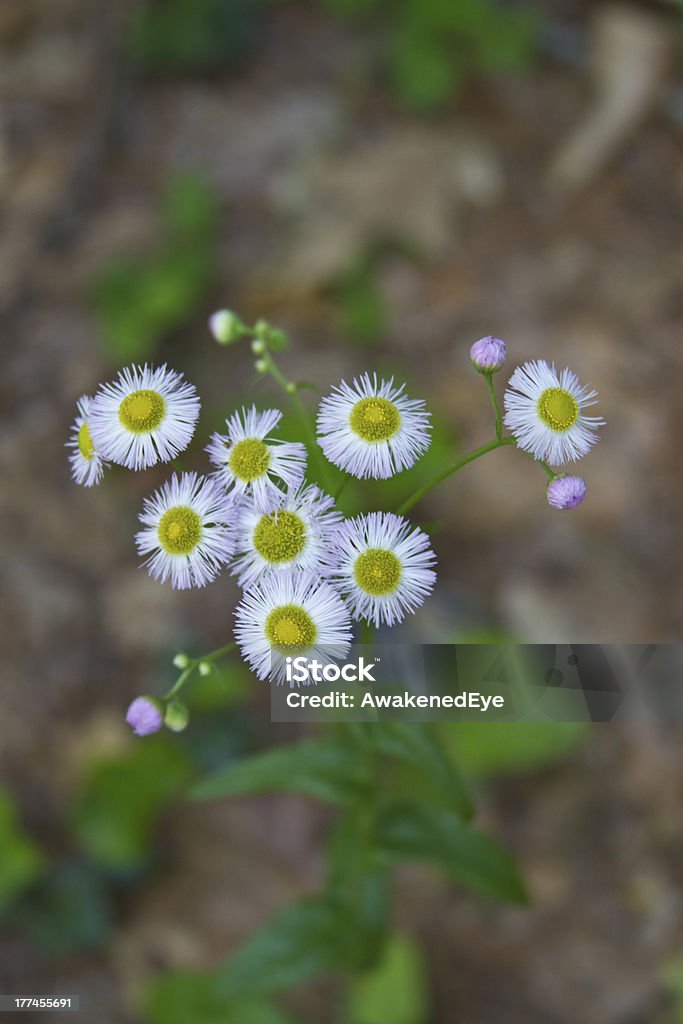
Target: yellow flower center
x,y
179,530
249,459
289,628
377,571
279,536
374,419
142,411
558,409
85,445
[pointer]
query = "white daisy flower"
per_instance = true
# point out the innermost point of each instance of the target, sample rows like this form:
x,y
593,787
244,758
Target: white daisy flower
x,y
544,412
372,429
188,532
146,415
384,567
87,465
280,530
291,614
249,460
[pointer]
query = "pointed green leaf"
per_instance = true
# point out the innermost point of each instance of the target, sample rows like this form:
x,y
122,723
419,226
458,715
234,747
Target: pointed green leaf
x,y
301,941
409,831
395,991
320,768
188,996
358,884
415,744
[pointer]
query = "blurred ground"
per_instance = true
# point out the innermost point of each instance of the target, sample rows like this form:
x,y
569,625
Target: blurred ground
x,y
466,238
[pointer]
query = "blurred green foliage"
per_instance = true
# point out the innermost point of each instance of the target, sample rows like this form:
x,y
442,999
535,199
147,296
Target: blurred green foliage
x,y
428,47
372,772
395,990
431,46
317,767
66,902
193,35
121,800
191,996
21,862
362,311
139,300
487,749
70,910
672,978
507,748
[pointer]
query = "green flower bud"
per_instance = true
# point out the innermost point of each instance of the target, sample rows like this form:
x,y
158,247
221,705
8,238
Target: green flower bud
x,y
226,326
205,668
181,661
177,716
261,365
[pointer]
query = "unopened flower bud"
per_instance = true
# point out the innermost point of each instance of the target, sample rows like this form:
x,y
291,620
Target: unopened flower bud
x,y
177,716
181,660
277,339
261,365
488,354
205,668
145,715
291,387
258,346
566,491
226,326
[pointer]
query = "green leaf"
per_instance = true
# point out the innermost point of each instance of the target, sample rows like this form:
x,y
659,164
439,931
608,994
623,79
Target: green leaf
x,y
190,208
410,831
21,862
358,885
190,997
425,71
139,300
319,768
495,748
122,799
304,939
395,991
415,744
362,308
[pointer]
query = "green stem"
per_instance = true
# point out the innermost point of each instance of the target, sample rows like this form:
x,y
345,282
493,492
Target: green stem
x,y
366,633
194,663
551,473
303,413
218,653
180,681
496,408
453,468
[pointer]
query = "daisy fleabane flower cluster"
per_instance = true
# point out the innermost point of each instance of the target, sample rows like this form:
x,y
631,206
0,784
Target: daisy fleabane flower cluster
x,y
307,571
